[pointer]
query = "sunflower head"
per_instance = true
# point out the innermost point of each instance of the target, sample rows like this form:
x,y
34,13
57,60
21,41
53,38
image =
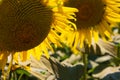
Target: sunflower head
x,y
23,24
93,20
90,12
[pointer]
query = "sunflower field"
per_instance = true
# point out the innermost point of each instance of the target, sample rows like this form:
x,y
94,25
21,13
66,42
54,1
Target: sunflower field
x,y
59,39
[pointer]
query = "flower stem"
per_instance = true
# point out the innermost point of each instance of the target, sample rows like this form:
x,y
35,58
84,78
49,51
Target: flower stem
x,y
85,65
85,62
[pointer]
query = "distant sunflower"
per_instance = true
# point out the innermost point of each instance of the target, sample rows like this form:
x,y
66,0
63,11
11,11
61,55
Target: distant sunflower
x,y
93,20
27,27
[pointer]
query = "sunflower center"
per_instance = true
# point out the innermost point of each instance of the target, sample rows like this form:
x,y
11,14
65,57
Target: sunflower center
x,y
26,34
90,12
84,12
24,24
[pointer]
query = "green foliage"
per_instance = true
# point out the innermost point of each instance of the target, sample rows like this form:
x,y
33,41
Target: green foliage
x,y
21,74
65,52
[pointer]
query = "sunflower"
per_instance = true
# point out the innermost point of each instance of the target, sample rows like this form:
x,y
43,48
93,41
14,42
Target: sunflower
x,y
94,18
27,27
